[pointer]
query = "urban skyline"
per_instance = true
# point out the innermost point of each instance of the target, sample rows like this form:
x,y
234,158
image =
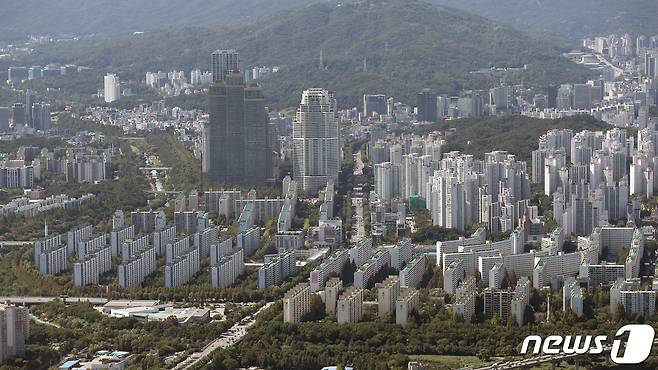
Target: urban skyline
x,y
305,184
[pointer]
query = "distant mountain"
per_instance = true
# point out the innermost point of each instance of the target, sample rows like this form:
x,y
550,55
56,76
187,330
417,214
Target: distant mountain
x,y
112,17
571,19
394,47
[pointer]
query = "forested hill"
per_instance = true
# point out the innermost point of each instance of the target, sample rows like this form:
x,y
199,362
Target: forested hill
x,y
570,19
515,134
406,45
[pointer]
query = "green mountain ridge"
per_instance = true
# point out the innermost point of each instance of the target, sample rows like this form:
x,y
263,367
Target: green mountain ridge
x,y
516,134
407,45
570,19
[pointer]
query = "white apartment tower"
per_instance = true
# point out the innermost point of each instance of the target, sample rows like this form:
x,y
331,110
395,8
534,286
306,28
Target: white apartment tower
x,y
112,88
316,142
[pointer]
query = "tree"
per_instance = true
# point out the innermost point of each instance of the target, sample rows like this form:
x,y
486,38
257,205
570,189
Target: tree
x,y
317,311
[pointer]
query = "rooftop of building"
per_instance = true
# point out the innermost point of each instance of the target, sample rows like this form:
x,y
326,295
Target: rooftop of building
x,y
296,290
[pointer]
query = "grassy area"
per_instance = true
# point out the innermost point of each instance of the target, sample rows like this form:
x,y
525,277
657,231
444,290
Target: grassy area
x,y
185,173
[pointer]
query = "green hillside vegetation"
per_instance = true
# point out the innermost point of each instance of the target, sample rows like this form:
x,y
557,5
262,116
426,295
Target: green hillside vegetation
x,y
568,18
407,45
378,343
515,134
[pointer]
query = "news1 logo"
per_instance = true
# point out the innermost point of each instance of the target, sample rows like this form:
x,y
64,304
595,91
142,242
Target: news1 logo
x,y
637,348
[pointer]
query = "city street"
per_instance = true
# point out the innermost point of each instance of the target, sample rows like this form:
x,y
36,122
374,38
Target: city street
x,y
225,340
358,225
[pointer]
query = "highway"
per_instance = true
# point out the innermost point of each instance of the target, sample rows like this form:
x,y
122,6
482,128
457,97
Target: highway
x,y
225,340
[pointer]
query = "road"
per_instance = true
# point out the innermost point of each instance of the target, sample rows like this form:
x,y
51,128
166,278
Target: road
x,y
225,340
44,322
602,59
358,225
39,300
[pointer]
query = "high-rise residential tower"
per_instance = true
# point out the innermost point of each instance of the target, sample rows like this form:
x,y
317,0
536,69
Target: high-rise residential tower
x,y
222,62
112,88
14,331
236,142
29,102
316,143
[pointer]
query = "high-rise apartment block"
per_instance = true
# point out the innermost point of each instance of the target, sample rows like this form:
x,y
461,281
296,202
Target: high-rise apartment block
x,y
112,88
296,303
465,299
276,269
331,293
14,331
350,306
387,293
628,294
406,303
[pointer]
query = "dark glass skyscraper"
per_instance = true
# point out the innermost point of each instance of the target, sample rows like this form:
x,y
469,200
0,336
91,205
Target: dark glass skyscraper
x,y
18,114
427,106
236,143
551,96
222,62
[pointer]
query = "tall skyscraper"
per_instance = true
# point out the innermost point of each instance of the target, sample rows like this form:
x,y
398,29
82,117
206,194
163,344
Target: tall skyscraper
x,y
236,142
651,64
442,106
222,62
374,103
29,102
427,106
564,100
112,88
551,97
4,119
14,331
40,116
18,114
582,96
316,143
